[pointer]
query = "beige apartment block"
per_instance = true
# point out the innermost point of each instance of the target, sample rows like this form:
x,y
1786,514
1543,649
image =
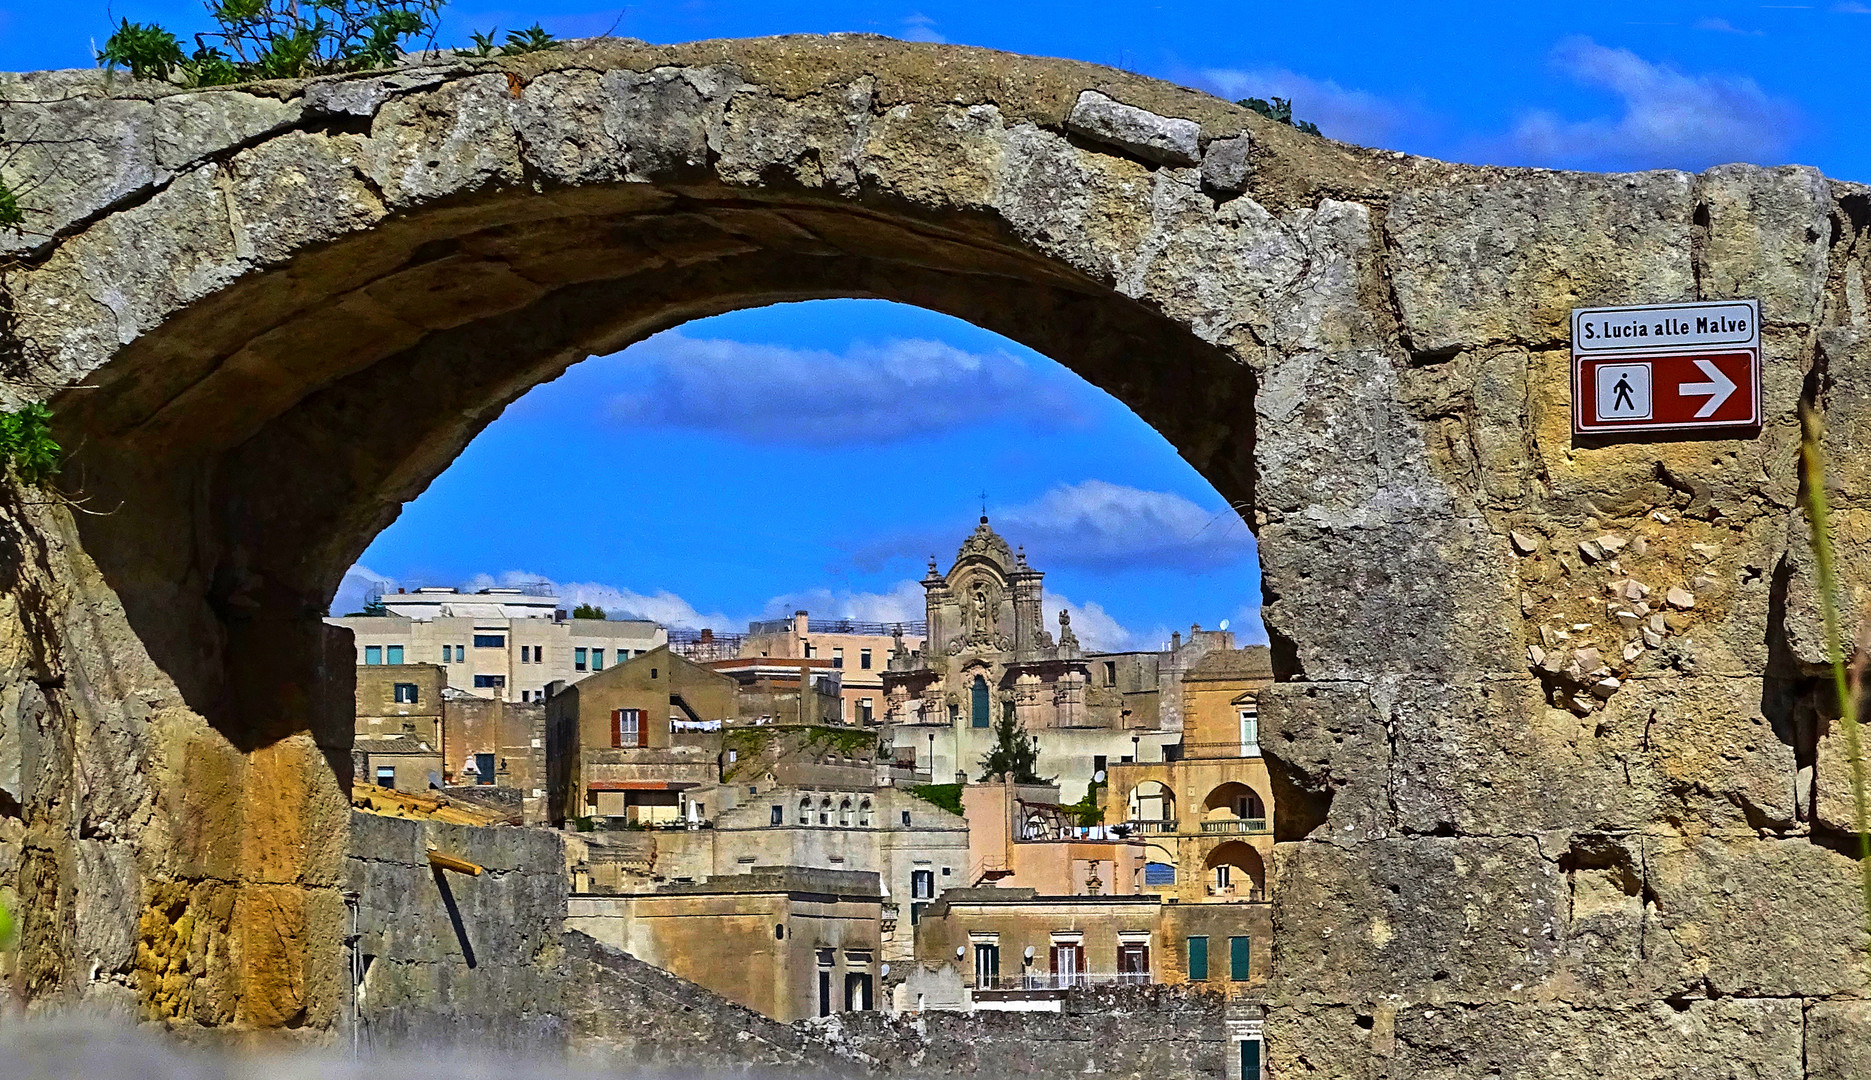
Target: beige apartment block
x,y
788,942
497,643
859,651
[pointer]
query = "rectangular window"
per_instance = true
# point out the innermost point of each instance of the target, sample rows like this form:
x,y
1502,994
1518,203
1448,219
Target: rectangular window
x,y
1238,959
373,655
864,659
628,728
1099,763
489,682
461,654
578,659
1250,733
386,776
490,641
623,655
778,816
1133,962
393,654
406,693
447,653
906,819
916,912
922,884
639,652
986,965
838,658
526,654
1198,959
866,713
484,768
597,659
1110,672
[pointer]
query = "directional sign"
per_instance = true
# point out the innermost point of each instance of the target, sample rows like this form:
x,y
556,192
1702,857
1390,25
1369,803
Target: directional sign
x,y
1666,367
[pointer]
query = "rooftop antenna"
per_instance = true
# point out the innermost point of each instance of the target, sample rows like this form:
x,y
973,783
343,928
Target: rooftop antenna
x,y
984,506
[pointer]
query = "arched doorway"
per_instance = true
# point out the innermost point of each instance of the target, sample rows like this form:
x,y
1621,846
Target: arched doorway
x,y
1235,869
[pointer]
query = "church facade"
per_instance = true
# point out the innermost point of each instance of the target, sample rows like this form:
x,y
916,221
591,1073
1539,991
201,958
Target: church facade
x,y
989,654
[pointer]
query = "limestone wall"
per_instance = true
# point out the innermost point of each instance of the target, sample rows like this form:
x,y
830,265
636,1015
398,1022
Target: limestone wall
x,y
289,306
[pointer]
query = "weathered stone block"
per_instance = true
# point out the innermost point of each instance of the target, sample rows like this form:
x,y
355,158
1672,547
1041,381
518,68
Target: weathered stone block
x,y
1164,140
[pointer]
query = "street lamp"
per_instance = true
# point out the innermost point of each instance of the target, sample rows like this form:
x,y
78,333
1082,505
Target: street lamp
x,y
1136,749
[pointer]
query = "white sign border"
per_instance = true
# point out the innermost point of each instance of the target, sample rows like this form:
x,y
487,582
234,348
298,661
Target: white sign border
x,y
1754,342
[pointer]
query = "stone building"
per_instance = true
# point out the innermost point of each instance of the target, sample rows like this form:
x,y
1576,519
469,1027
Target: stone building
x,y
988,653
627,742
1021,837
398,727
1205,809
788,942
858,650
496,643
786,690
1019,949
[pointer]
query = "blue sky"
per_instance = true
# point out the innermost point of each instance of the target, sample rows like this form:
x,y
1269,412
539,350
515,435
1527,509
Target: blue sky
x,y
690,506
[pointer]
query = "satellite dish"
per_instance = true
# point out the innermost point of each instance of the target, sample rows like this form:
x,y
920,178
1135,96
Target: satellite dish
x,y
1029,954
1224,624
960,952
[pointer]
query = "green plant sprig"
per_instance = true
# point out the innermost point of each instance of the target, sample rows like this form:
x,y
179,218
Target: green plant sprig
x,y
1818,514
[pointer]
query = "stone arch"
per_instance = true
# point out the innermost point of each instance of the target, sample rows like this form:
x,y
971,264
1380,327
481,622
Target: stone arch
x,y
1233,800
1233,867
268,316
1152,806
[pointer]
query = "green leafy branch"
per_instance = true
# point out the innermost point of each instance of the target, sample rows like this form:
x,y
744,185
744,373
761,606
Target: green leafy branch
x,y
291,39
27,446
1279,110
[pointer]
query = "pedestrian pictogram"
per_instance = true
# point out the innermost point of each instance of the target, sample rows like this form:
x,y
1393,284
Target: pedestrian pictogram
x,y
1666,367
1624,391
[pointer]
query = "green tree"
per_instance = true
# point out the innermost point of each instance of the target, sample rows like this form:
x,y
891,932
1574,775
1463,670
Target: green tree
x,y
588,611
1015,753
292,39
1279,110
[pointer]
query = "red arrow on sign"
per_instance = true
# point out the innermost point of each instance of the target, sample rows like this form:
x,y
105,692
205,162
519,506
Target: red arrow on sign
x,y
1686,391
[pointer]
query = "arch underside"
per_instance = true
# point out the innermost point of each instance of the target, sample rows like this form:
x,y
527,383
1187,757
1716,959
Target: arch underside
x,y
282,423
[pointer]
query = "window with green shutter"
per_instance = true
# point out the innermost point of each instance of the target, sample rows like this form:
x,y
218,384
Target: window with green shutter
x,y
1198,959
1237,959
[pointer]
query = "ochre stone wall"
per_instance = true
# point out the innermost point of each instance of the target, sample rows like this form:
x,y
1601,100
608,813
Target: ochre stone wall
x,y
290,305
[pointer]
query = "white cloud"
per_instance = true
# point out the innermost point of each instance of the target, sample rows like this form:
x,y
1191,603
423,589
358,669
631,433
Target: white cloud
x,y
663,607
920,27
903,603
900,389
1342,113
1106,525
359,585
1670,119
1852,9
1723,26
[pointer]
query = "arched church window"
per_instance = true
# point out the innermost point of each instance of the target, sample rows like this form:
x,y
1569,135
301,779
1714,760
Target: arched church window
x,y
979,705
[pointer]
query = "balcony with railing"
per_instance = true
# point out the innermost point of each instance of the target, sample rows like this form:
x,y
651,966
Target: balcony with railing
x,y
1059,980
1152,827
1235,825
1200,751
1252,894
